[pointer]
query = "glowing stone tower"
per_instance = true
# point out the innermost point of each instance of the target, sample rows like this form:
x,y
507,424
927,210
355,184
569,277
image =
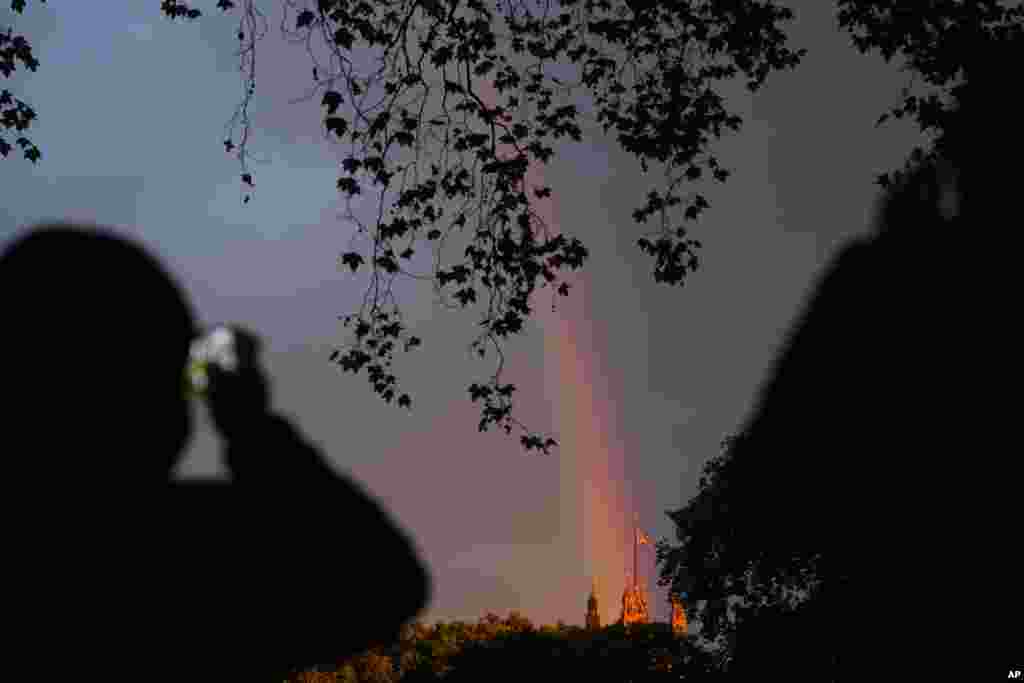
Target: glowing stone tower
x,y
679,624
634,603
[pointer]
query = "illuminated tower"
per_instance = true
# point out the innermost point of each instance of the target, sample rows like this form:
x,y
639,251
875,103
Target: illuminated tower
x,y
634,604
679,624
593,620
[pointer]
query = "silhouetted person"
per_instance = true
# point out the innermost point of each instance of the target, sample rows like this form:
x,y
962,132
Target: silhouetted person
x,y
122,572
879,419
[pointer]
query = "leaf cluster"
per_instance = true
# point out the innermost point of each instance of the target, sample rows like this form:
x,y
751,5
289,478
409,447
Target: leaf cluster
x,y
16,114
728,575
473,191
377,337
934,40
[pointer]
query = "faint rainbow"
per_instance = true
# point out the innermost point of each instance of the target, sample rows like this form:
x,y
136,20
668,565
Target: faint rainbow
x,y
592,460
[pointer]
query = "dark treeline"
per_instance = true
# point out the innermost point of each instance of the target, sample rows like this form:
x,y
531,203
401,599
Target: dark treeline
x,y
512,648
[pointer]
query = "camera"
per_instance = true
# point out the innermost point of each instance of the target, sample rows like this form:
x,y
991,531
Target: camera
x,y
216,346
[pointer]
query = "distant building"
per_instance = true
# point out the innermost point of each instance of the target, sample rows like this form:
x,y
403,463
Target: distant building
x,y
634,605
593,620
679,624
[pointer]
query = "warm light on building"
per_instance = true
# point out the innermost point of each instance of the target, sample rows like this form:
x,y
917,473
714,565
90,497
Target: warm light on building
x,y
634,606
679,624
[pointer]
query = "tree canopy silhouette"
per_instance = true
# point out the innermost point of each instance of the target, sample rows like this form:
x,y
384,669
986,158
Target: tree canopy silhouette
x,y
432,57
650,68
731,576
934,39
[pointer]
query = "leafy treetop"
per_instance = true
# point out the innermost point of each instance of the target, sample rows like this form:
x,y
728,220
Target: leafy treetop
x,y
650,68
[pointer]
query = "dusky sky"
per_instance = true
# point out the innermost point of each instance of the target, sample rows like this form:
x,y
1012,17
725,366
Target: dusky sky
x,y
639,381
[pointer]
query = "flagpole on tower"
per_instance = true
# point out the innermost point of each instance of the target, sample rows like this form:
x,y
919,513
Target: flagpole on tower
x,y
636,521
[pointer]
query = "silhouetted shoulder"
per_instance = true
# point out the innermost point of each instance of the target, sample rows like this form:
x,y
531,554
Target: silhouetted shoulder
x,y
311,568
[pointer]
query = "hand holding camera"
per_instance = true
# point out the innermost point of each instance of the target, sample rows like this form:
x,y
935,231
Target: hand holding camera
x,y
226,370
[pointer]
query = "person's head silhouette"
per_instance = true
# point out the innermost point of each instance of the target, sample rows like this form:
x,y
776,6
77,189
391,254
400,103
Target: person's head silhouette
x,y
95,341
96,338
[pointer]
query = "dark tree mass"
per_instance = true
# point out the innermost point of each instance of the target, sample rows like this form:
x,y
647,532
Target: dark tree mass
x,y
825,504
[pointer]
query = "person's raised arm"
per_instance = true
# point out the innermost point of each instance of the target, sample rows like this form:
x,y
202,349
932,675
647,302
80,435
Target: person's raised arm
x,y
345,577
